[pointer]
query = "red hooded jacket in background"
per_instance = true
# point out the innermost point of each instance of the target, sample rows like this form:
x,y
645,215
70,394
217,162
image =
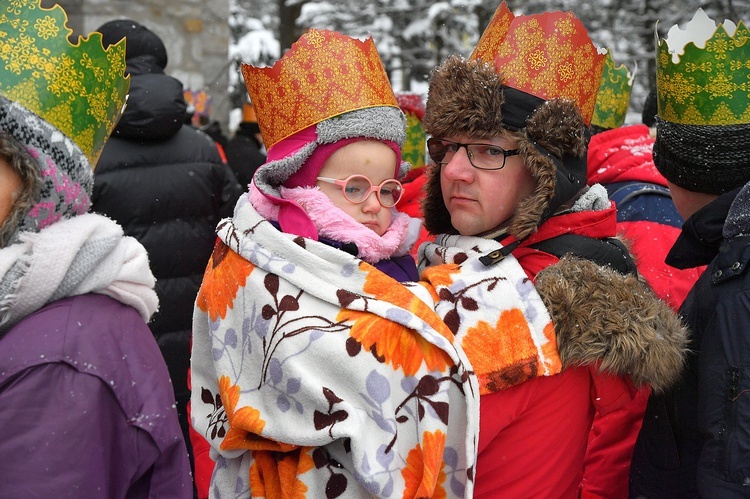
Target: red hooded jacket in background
x,y
625,155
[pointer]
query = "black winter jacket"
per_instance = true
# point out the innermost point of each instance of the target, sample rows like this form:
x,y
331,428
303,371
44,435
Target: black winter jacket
x,y
165,183
695,439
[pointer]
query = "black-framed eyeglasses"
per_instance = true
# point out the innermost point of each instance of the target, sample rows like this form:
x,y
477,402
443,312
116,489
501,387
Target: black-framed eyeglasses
x,y
357,188
481,156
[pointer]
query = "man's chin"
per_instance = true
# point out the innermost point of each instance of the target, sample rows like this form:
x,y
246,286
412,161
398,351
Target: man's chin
x,y
465,224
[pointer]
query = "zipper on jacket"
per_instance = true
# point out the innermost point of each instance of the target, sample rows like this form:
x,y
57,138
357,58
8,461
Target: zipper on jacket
x,y
730,417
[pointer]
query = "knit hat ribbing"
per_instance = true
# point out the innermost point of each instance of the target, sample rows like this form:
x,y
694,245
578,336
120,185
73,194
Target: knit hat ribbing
x,y
703,158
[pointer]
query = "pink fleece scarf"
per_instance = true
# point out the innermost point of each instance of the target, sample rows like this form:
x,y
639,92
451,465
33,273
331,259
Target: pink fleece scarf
x,y
334,224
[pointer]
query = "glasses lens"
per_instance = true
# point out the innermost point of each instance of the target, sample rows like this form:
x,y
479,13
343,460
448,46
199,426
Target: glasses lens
x,y
438,149
486,156
390,193
356,188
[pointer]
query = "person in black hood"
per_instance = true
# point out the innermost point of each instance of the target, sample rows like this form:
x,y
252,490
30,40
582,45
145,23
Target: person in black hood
x,y
166,184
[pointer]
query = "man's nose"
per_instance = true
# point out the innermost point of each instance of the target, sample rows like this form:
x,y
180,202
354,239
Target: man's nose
x,y
459,167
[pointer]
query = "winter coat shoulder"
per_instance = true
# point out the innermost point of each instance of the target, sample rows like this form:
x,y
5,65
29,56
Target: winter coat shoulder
x,y
622,161
88,408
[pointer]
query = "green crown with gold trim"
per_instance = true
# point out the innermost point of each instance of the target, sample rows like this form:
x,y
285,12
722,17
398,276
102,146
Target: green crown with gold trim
x,y
709,82
78,88
613,98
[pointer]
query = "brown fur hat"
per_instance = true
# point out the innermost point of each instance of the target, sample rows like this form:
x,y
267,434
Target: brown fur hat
x,y
466,97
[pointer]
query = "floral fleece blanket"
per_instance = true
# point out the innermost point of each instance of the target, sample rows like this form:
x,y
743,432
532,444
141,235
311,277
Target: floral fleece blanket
x,y
316,375
495,312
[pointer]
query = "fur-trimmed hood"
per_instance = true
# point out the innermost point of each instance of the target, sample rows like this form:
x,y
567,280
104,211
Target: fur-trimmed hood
x,y
467,97
614,320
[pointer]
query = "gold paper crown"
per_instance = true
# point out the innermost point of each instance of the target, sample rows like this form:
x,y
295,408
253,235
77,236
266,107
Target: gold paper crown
x,y
613,98
323,75
78,88
703,73
548,55
414,148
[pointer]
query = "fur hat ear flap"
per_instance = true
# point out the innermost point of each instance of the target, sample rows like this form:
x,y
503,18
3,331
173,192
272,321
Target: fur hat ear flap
x,y
530,210
554,148
557,126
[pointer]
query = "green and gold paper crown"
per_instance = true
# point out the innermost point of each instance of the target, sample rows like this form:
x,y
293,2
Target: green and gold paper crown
x,y
78,88
613,98
414,148
703,73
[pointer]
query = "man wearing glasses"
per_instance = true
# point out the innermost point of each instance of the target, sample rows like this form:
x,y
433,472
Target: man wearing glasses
x,y
508,189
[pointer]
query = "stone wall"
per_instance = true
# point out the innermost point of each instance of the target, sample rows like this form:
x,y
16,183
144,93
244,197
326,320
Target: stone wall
x,y
195,33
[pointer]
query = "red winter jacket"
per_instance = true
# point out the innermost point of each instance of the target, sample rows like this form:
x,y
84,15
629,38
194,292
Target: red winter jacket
x,y
517,424
410,203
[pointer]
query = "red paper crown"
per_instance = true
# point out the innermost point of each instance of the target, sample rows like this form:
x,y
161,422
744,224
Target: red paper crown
x,y
323,75
549,55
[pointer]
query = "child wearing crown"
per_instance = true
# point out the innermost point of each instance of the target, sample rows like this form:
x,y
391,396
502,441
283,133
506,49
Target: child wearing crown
x,y
314,372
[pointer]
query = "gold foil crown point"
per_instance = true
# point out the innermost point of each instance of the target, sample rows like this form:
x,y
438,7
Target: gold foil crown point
x,y
549,55
613,98
324,74
703,73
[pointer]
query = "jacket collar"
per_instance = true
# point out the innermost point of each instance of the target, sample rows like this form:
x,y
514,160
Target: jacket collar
x,y
701,235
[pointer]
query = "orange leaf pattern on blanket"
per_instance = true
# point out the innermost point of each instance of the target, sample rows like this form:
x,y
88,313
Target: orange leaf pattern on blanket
x,y
226,272
441,275
390,341
503,355
424,474
504,347
274,475
245,424
383,286
395,344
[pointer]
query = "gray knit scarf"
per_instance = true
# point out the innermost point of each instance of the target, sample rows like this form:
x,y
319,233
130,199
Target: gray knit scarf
x,y
83,254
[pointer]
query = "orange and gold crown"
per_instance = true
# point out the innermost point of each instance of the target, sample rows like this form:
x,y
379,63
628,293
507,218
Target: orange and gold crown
x,y
78,88
549,55
323,75
201,103
200,100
